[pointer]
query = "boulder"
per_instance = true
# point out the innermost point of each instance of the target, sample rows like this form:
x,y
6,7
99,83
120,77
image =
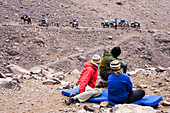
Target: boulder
x,y
165,103
160,69
2,75
89,107
132,108
79,49
17,69
7,83
104,104
82,58
75,72
48,82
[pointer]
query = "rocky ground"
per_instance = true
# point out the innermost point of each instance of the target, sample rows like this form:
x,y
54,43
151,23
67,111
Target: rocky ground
x,y
64,48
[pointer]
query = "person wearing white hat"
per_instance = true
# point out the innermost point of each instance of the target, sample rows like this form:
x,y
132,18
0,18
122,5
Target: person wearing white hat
x,y
120,88
86,82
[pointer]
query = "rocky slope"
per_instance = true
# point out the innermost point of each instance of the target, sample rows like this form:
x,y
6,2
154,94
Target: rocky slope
x,y
64,48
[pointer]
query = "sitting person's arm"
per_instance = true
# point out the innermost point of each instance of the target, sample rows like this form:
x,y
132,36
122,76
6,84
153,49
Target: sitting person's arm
x,y
85,79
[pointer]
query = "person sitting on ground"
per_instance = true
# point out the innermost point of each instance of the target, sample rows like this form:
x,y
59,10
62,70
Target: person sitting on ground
x,y
104,68
86,82
120,88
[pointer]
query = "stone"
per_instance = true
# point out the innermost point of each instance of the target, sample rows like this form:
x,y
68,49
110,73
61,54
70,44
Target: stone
x,y
82,58
132,73
119,3
143,86
7,83
66,85
104,104
168,72
49,76
19,80
168,33
82,111
2,75
96,106
9,74
79,49
89,108
13,52
77,104
59,74
109,37
61,77
60,88
156,91
36,70
48,82
160,69
17,69
26,76
41,75
6,16
56,80
151,68
165,103
132,108
36,77
151,31
75,72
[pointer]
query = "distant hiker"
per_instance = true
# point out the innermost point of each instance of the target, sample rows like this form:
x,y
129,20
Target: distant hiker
x,y
137,24
27,18
44,22
120,88
86,82
105,69
122,22
113,23
74,23
105,23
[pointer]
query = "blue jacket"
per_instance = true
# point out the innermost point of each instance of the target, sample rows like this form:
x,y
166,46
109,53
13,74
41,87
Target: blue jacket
x,y
119,87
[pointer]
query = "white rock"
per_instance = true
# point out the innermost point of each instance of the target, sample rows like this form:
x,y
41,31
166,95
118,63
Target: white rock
x,y
82,111
36,69
17,69
49,76
132,73
109,37
132,108
143,86
165,103
156,91
151,68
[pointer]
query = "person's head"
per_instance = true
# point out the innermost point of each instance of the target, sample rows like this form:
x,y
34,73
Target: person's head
x,y
116,51
96,59
116,67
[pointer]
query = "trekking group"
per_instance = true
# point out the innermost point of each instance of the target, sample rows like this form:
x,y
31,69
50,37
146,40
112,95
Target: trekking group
x,y
75,23
112,71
